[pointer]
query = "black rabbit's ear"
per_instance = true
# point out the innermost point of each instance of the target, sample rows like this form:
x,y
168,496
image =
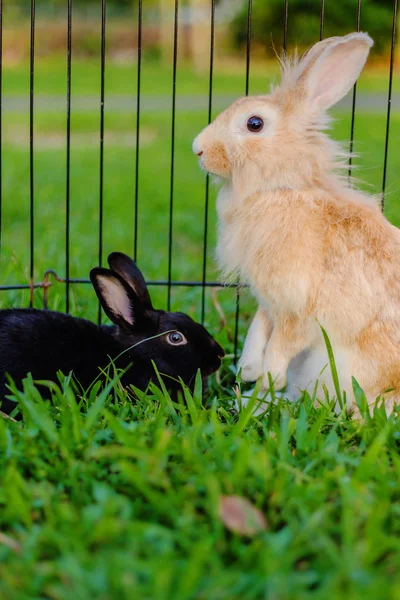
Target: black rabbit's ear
x,y
125,267
117,298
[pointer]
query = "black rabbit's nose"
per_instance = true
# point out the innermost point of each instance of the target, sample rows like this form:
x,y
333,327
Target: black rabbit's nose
x,y
221,352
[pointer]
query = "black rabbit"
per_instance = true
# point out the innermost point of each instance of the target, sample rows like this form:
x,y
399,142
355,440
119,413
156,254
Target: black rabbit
x,y
42,342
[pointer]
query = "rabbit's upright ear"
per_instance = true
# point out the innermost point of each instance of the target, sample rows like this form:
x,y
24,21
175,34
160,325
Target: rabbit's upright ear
x,y
118,300
125,267
331,67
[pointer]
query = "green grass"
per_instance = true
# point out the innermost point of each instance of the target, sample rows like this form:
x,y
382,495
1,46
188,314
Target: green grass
x,y
122,501
121,77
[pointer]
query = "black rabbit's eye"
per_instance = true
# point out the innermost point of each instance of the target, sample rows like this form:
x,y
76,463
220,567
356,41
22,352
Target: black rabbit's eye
x,y
255,124
176,338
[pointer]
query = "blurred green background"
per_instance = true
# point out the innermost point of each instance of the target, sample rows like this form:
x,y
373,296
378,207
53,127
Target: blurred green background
x,y
192,86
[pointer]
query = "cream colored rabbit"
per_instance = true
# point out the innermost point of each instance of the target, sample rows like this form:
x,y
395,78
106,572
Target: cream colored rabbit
x,y
314,251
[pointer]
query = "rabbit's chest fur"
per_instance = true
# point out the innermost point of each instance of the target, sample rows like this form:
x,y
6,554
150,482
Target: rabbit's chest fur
x,y
311,256
266,240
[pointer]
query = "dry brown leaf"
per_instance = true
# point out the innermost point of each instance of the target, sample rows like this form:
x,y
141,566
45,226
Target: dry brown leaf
x,y
6,540
240,516
5,416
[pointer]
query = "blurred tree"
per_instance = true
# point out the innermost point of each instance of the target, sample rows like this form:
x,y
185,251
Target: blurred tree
x,y
304,22
24,5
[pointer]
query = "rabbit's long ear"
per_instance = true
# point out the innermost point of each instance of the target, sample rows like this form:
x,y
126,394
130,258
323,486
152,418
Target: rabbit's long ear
x,y
331,67
125,267
119,301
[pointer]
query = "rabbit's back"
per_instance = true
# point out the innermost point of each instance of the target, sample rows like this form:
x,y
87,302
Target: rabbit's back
x,y
323,243
44,342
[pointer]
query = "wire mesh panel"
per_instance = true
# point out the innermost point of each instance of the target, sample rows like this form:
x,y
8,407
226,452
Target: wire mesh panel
x,y
107,161
31,154
1,115
68,161
389,102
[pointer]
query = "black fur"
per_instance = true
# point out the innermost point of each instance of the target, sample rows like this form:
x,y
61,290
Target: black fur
x,y
43,342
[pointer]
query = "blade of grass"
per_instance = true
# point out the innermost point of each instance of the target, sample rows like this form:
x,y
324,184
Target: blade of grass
x,y
333,369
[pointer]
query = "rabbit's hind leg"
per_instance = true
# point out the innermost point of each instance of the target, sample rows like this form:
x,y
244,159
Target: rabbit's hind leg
x,y
290,337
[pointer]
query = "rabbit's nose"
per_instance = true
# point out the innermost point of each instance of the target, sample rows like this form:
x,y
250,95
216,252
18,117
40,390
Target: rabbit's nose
x,y
196,146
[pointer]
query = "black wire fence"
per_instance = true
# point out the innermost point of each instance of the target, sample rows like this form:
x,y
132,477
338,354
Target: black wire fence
x,y
171,280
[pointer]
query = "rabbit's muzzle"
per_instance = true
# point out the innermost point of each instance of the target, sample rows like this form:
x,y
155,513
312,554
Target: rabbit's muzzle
x,y
212,154
210,366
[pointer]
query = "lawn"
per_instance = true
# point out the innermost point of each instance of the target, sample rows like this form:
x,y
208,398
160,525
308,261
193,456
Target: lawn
x,y
122,501
121,77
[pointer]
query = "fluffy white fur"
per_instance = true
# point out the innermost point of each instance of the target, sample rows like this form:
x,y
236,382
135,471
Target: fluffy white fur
x,y
313,250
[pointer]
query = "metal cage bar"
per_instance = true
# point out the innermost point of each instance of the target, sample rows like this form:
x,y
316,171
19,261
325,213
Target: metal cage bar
x,y
159,283
68,165
247,82
322,20
353,104
138,84
1,120
285,26
389,102
207,194
171,188
101,168
31,152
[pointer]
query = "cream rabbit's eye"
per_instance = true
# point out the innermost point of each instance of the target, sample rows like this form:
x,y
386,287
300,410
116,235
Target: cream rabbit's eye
x,y
255,124
176,338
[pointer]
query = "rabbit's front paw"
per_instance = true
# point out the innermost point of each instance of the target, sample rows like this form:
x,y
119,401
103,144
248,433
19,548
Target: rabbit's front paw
x,y
278,374
280,380
251,367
